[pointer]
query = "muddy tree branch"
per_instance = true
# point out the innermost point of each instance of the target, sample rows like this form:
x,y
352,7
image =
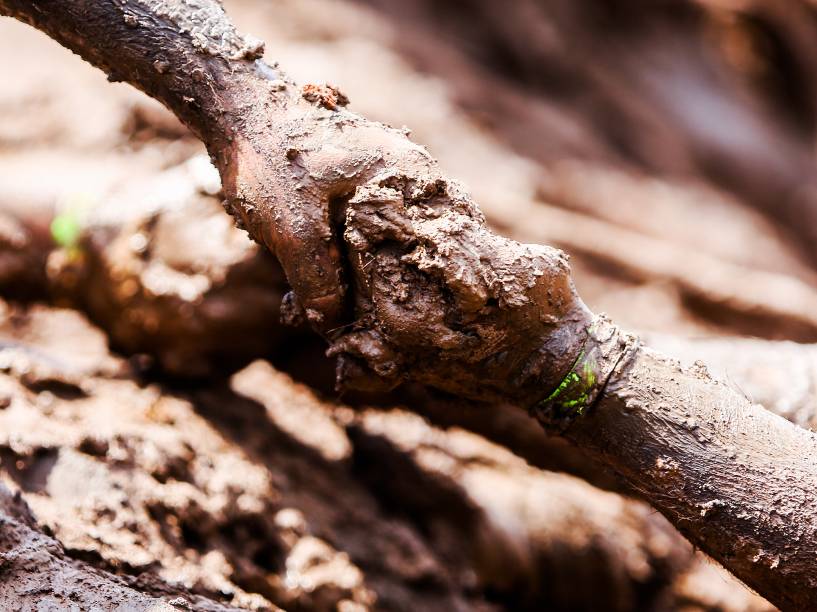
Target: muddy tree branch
x,y
780,376
394,263
736,479
188,56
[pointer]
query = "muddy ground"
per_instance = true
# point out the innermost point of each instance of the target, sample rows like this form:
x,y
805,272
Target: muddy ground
x,y
167,444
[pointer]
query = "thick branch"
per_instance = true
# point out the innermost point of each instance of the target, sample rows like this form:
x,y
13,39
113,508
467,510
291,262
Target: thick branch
x,y
780,376
440,299
736,479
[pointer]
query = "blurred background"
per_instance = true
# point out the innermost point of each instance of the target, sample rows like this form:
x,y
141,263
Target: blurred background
x,y
164,426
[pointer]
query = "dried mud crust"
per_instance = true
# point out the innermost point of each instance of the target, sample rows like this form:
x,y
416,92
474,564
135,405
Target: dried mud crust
x,y
258,494
443,300
163,271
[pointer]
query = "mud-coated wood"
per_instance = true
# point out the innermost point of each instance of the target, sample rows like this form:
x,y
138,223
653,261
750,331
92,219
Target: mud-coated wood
x,y
739,481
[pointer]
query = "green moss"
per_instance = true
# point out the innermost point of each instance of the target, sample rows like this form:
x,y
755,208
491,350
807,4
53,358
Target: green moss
x,y
572,396
65,229
566,383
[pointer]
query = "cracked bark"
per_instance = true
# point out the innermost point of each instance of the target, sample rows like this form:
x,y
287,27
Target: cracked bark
x,y
394,264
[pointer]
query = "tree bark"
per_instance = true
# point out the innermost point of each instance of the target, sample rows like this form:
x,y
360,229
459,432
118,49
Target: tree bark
x,y
780,376
440,299
188,56
734,478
